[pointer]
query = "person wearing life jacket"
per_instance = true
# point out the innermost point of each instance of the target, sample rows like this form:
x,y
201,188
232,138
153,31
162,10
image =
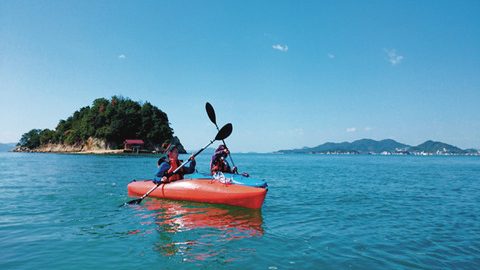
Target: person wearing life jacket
x,y
219,161
167,164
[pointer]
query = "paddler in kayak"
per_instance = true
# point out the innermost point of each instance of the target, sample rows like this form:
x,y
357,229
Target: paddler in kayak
x,y
167,164
219,161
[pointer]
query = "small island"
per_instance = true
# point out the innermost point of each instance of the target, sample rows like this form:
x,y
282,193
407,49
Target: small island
x,y
115,125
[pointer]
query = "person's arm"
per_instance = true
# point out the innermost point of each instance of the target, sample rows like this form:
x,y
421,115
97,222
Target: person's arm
x,y
190,168
212,163
219,152
229,169
164,166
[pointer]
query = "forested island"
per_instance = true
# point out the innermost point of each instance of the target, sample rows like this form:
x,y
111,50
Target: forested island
x,y
105,126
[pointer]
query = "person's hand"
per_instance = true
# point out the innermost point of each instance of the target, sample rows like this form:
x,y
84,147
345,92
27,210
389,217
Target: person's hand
x,y
165,180
226,151
192,158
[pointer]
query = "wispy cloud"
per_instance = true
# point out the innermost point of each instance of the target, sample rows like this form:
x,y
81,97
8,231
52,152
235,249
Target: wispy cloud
x,y
367,128
282,48
122,56
331,55
351,129
393,57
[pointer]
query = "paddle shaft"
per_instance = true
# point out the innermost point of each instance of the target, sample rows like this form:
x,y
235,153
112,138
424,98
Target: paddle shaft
x,y
213,118
148,192
223,141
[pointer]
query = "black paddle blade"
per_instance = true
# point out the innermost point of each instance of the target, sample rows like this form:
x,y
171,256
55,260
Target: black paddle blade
x,y
224,132
211,113
136,201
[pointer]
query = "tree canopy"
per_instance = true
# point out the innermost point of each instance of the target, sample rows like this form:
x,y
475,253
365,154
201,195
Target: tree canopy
x,y
112,120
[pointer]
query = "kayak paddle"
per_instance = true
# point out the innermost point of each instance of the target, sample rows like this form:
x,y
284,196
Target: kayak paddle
x,y
223,133
213,118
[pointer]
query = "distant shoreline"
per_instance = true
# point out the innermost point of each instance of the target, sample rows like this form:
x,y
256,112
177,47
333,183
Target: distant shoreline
x,y
376,154
83,152
386,147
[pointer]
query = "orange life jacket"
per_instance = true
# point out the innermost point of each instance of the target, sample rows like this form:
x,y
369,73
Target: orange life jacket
x,y
173,166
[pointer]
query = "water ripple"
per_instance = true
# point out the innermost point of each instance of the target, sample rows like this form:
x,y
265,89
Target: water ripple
x,y
335,212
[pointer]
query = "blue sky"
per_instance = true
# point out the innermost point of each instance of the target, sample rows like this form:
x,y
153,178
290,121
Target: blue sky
x,y
287,74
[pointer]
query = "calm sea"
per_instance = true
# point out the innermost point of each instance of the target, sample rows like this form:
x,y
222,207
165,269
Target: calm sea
x,y
321,212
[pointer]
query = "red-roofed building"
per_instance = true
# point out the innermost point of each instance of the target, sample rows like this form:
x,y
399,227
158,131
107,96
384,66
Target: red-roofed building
x,y
133,144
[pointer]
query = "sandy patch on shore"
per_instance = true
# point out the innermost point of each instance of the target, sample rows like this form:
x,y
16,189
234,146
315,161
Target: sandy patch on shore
x,y
104,151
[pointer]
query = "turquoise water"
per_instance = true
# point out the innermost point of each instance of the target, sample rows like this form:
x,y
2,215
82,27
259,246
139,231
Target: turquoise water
x,y
321,212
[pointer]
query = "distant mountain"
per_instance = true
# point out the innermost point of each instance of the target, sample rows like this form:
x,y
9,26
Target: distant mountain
x,y
360,146
436,147
5,147
473,151
386,147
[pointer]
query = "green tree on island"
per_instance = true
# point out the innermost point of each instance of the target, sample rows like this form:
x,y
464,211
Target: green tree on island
x,y
111,120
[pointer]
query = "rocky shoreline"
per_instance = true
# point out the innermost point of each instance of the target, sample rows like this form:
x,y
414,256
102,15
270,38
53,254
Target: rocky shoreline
x,y
98,151
91,146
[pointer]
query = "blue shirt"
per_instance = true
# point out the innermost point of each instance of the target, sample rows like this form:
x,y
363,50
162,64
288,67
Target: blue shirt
x,y
165,166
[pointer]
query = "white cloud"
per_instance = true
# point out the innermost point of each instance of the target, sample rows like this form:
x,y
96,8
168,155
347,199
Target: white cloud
x,y
122,56
331,55
367,128
393,57
282,48
351,129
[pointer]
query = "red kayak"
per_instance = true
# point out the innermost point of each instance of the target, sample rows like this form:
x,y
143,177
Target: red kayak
x,y
203,191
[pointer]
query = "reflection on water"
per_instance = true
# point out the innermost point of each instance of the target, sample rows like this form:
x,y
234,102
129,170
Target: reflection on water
x,y
198,231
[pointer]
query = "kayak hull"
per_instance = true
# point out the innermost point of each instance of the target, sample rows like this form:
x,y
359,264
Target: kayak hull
x,y
235,178
198,190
